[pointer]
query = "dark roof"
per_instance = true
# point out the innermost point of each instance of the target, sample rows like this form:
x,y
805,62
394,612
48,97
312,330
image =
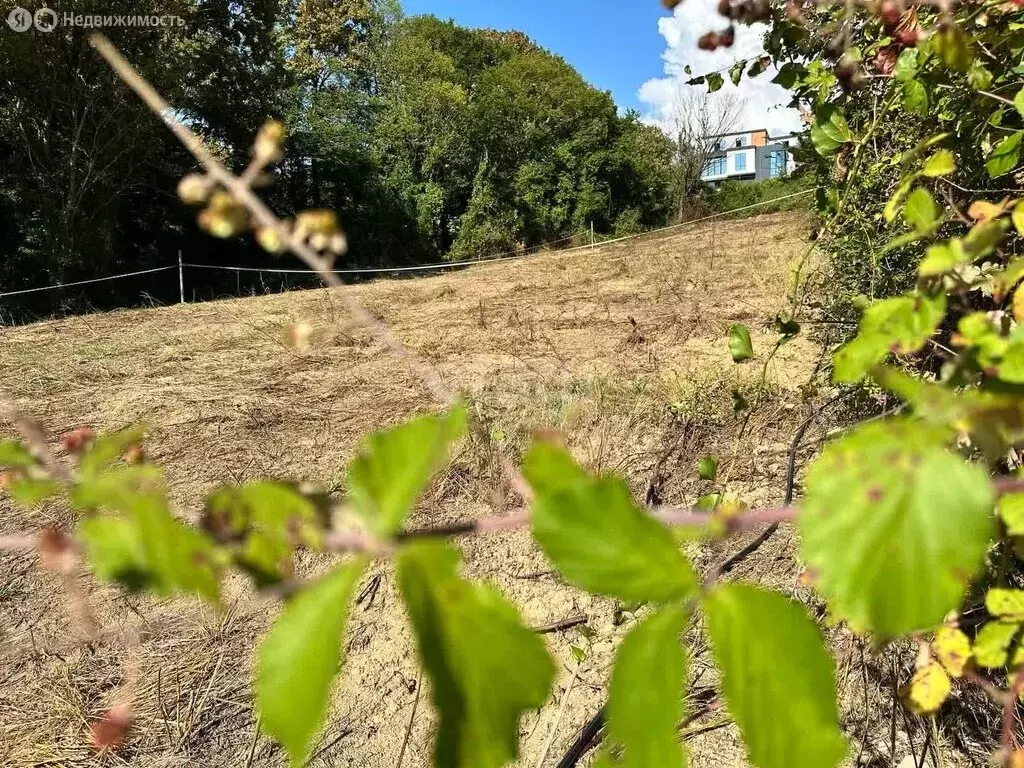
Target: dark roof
x,y
736,133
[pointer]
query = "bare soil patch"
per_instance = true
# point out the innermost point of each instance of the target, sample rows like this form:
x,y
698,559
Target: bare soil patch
x,y
623,348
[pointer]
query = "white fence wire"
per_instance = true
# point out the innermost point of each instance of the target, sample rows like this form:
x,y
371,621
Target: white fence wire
x,y
509,256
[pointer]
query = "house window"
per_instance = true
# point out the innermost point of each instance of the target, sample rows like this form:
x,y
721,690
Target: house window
x,y
777,164
741,141
741,161
715,167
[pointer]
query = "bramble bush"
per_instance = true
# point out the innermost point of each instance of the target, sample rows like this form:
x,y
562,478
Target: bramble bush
x,y
898,516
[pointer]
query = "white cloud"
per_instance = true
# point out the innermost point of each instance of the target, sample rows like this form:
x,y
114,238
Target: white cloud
x,y
763,100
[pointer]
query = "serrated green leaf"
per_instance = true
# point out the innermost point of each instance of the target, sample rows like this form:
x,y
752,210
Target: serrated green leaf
x,y
715,81
1018,102
106,449
942,163
707,468
645,696
921,211
895,526
14,454
993,642
597,537
777,677
902,324
394,466
485,667
740,346
1006,155
300,658
829,131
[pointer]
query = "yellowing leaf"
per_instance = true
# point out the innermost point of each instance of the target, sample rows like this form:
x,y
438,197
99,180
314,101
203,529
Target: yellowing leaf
x,y
942,163
952,648
1005,603
1017,216
980,210
992,642
929,688
1011,508
1018,306
895,526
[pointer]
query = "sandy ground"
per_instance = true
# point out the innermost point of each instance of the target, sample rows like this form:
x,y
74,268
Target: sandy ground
x,y
623,348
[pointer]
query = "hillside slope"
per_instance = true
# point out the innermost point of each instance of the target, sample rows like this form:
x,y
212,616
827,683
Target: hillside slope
x,y
623,348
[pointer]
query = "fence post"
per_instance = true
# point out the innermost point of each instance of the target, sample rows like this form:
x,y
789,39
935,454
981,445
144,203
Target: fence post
x,y
181,279
591,234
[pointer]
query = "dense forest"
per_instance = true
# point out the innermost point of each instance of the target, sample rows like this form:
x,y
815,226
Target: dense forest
x,y
430,140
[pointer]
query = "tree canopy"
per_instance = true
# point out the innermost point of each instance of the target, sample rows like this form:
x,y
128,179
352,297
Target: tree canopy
x,y
430,141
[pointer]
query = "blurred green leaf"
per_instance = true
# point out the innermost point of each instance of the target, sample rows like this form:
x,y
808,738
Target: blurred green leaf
x,y
300,657
777,677
394,466
645,696
106,449
485,667
14,454
942,163
942,258
29,492
902,324
921,211
597,537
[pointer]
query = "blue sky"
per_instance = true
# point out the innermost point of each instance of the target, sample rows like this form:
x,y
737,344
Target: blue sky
x,y
635,49
614,44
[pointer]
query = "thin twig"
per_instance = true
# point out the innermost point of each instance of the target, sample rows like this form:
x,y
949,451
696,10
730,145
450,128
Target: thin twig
x,y
264,217
558,717
561,625
412,719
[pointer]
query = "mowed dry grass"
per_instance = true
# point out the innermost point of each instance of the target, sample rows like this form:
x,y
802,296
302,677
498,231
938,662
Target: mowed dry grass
x,y
623,348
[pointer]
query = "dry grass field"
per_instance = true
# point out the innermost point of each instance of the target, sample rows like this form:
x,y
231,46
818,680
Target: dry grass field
x,y
622,348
